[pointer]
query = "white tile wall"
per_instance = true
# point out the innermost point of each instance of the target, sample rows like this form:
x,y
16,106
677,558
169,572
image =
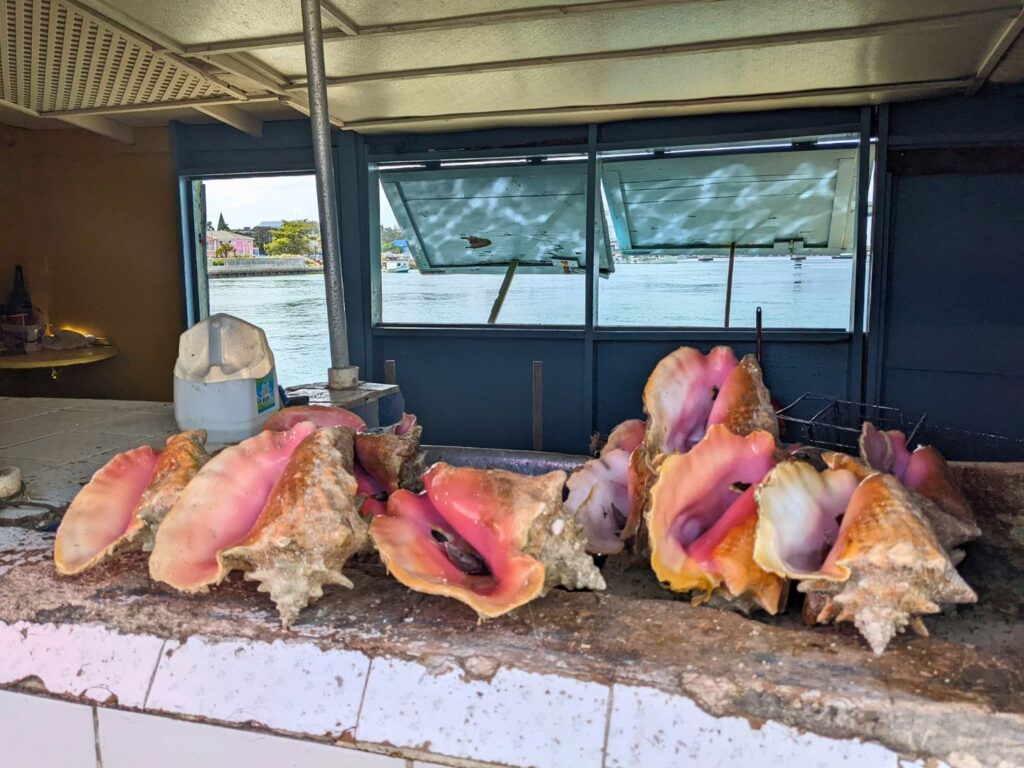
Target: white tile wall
x,y
516,718
129,740
36,732
80,660
285,686
651,728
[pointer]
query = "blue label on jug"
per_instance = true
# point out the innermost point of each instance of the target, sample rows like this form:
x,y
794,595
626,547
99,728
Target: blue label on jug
x,y
265,389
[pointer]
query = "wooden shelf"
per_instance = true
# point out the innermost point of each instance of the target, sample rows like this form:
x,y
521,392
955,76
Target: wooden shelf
x,y
52,358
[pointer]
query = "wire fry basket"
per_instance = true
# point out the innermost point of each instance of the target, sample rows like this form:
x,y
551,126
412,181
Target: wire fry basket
x,y
826,422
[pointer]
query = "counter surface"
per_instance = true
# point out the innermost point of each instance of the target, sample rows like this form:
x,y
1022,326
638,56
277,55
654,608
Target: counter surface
x,y
630,677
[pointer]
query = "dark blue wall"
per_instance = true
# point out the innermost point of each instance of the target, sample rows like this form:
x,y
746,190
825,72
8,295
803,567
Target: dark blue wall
x,y
951,332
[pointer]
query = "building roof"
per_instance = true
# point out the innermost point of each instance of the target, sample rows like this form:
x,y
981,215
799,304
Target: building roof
x,y
277,224
224,234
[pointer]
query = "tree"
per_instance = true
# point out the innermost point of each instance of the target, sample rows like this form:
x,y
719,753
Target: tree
x,y
221,224
388,235
262,237
224,250
293,238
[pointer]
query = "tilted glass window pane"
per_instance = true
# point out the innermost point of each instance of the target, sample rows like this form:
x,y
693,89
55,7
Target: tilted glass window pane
x,y
786,210
481,242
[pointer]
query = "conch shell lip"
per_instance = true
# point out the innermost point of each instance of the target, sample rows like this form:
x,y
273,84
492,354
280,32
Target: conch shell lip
x,y
693,492
795,499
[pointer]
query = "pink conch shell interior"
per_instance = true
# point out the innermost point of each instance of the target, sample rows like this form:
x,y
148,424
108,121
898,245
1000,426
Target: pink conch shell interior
x,y
599,492
799,518
680,394
693,492
103,512
493,539
599,499
320,415
219,508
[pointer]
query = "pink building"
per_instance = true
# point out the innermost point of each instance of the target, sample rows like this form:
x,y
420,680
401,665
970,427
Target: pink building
x,y
242,245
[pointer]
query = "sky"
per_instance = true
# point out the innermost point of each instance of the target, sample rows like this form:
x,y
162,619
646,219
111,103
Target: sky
x,y
245,202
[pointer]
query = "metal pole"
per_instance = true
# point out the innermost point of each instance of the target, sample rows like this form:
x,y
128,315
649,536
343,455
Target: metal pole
x,y
758,335
728,284
340,375
502,292
538,405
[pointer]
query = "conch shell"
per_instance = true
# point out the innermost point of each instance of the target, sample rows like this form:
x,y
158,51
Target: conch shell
x,y
884,569
124,502
599,490
702,517
321,415
678,399
180,461
744,404
219,508
492,539
392,458
924,470
309,527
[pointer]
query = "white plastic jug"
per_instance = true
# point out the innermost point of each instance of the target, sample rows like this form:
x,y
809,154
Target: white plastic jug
x,y
224,381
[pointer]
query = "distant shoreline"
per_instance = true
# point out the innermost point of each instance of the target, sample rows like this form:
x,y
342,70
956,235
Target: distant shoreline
x,y
230,272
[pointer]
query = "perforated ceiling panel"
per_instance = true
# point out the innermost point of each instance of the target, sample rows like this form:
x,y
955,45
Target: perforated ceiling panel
x,y
57,57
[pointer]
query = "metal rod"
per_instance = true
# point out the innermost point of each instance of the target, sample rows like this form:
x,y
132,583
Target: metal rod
x,y
389,372
538,405
337,325
503,291
758,335
728,282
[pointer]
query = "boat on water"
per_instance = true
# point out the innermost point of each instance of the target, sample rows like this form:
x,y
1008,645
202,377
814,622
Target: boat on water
x,y
651,258
396,265
797,257
705,258
843,256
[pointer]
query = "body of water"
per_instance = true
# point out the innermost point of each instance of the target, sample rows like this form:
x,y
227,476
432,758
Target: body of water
x,y
814,293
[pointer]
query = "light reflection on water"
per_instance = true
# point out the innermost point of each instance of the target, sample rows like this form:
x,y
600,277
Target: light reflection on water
x,y
292,309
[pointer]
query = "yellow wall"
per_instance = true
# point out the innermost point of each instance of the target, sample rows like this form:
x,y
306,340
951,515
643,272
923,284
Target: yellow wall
x,y
95,224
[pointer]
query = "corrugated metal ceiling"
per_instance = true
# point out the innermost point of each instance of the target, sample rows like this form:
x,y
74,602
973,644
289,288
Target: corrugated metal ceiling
x,y
450,64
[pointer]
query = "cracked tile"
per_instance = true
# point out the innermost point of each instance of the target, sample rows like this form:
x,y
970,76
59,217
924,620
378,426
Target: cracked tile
x,y
82,661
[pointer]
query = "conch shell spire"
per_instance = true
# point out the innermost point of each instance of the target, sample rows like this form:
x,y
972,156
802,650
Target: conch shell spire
x,y
309,527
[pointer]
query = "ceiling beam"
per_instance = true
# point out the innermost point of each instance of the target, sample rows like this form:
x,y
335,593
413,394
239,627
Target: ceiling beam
x,y
235,117
886,90
432,25
833,34
104,126
337,18
1000,46
158,106
18,108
